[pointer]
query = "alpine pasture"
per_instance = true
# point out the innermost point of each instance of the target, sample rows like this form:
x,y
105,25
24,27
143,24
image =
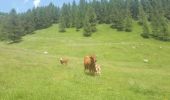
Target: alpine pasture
x,y
27,73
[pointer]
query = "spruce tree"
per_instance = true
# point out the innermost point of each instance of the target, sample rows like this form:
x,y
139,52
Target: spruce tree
x,y
145,32
119,15
141,14
82,12
73,14
135,8
13,28
144,22
128,21
28,22
120,22
128,17
62,24
87,27
165,34
77,19
158,21
90,22
92,19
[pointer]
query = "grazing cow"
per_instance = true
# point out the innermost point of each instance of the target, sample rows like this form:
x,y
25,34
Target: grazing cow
x,y
98,69
63,61
89,63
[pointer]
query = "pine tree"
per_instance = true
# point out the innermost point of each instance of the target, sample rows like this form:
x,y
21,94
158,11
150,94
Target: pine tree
x,y
92,19
104,13
2,18
90,22
128,24
87,27
82,11
13,28
141,15
128,21
28,22
135,8
155,24
128,17
78,22
144,22
73,14
165,34
118,20
146,31
62,24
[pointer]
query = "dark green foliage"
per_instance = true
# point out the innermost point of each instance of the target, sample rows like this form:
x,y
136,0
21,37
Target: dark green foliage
x,y
141,15
146,31
78,22
62,24
90,22
119,21
86,14
82,11
92,19
87,27
159,26
53,12
1,27
128,24
134,9
120,24
74,10
103,14
164,32
118,16
15,25
128,18
156,11
13,29
28,22
144,22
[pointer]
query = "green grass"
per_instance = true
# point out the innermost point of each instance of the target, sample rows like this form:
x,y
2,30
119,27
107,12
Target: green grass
x,y
26,73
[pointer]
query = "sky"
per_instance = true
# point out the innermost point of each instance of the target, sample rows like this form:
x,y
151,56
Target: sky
x,y
24,5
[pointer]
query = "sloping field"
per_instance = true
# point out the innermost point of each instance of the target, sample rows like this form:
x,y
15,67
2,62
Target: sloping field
x,y
26,73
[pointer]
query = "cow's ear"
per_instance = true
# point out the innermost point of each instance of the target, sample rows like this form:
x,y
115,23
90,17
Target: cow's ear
x,y
91,57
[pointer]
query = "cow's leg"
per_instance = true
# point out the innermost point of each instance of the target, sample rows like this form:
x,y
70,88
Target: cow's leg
x,y
85,68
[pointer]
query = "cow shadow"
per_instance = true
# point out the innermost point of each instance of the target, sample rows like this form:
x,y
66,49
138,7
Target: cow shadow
x,y
90,74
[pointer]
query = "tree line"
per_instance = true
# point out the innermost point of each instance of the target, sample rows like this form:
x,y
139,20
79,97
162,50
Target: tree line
x,y
152,15
14,25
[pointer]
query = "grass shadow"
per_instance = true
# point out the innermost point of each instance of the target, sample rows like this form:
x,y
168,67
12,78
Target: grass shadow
x,y
14,42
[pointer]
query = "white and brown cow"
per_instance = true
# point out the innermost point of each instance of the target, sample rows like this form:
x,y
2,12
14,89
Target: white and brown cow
x,y
98,69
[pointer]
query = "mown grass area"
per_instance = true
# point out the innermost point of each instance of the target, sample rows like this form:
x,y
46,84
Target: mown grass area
x,y
26,73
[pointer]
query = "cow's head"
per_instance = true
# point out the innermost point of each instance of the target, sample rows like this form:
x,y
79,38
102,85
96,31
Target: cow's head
x,y
94,58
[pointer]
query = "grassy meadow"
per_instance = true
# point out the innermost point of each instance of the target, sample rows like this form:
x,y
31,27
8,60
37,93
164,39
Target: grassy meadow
x,y
26,73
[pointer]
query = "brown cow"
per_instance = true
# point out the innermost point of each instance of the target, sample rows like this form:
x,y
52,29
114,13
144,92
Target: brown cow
x,y
63,61
89,63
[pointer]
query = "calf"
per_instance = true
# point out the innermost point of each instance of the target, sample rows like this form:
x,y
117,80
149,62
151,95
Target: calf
x,y
97,69
63,61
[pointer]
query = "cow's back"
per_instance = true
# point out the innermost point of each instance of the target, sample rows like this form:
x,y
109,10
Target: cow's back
x,y
87,62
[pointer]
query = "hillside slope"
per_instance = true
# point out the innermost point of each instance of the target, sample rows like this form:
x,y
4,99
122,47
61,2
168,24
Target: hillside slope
x,y
27,73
